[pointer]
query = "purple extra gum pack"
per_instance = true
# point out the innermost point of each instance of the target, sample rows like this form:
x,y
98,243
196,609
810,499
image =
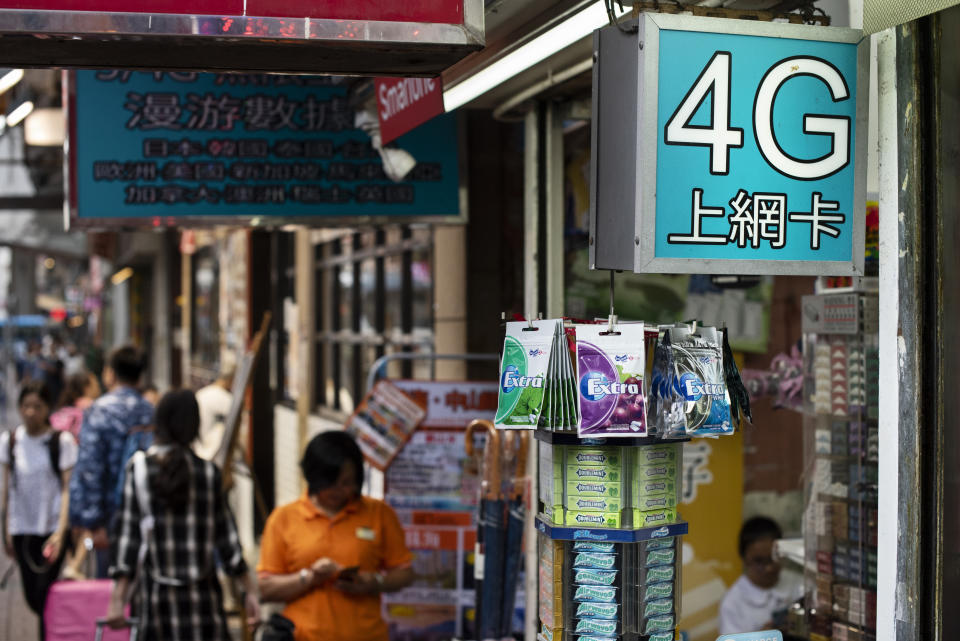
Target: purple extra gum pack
x,y
610,390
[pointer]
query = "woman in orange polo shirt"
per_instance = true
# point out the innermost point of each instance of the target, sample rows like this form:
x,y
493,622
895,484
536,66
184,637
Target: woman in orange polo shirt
x,y
329,554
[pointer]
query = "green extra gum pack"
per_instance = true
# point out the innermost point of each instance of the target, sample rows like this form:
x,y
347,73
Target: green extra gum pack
x,y
524,373
536,380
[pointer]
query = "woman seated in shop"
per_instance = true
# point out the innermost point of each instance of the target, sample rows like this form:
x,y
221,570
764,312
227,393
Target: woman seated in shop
x,y
330,554
759,599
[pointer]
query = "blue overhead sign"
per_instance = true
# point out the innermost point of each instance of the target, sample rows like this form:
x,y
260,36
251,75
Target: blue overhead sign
x,y
751,147
172,148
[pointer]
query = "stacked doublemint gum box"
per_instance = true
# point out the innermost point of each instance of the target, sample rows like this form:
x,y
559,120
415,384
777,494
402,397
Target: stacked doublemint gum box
x,y
610,486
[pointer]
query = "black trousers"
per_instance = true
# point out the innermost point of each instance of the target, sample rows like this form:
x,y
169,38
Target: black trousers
x,y
36,572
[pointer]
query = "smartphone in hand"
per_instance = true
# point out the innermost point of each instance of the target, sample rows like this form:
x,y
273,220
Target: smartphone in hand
x,y
349,574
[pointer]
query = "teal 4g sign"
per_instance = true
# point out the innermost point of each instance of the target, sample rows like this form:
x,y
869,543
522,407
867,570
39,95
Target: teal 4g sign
x,y
757,132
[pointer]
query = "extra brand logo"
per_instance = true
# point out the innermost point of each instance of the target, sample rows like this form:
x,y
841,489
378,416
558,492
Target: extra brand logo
x,y
512,380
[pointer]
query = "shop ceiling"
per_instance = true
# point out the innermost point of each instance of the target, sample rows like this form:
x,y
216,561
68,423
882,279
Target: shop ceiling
x,y
345,37
512,23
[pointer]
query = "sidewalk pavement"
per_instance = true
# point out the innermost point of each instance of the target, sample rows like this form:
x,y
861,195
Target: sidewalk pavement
x,y
16,619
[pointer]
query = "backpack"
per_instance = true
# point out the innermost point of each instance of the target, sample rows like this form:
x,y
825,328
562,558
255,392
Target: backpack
x,y
53,447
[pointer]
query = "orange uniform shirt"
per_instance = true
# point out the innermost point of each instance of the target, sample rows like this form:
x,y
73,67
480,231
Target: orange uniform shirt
x,y
365,533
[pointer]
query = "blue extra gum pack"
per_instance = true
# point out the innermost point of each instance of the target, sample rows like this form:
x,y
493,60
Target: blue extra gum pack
x,y
689,395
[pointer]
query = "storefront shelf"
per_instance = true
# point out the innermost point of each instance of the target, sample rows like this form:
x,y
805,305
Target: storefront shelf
x,y
570,438
560,533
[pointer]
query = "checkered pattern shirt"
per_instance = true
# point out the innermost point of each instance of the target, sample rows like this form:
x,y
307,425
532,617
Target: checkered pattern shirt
x,y
182,548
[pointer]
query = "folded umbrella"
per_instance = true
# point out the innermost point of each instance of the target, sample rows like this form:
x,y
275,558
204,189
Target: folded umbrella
x,y
488,562
513,550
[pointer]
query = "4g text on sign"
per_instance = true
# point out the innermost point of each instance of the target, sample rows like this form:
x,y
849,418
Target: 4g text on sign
x,y
756,147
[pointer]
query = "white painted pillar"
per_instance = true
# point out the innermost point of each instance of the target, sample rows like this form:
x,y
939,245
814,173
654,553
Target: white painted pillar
x,y
888,592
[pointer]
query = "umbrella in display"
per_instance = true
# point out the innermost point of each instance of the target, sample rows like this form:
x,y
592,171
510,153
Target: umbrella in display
x,y
513,553
490,531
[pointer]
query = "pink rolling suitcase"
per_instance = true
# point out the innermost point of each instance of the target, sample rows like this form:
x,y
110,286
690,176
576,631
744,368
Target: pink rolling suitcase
x,y
73,608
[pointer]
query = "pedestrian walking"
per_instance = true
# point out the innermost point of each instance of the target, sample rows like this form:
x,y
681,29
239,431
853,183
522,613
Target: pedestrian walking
x,y
215,400
103,437
37,461
81,390
173,522
330,554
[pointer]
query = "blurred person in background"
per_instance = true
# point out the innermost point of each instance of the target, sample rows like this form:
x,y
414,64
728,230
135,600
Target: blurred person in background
x,y
331,554
37,461
150,393
214,401
81,390
180,598
759,599
103,436
74,361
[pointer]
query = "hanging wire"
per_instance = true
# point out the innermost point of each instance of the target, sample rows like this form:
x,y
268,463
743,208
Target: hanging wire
x,y
612,16
611,292
612,318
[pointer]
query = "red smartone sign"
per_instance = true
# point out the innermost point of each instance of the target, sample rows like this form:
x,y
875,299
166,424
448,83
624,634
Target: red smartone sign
x,y
406,103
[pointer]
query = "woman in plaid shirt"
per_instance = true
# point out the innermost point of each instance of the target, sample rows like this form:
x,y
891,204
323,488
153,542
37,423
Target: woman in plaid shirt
x,y
179,597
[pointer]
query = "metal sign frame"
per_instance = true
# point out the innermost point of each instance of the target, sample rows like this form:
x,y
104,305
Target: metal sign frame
x,y
645,259
163,41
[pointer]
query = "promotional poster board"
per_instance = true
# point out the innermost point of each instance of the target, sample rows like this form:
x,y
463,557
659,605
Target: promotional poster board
x,y
434,487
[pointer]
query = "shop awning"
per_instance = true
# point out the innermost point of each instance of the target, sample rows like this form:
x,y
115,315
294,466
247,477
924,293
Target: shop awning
x,y
346,37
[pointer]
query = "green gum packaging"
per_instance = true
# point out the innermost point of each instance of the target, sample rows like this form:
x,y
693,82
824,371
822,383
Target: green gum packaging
x,y
660,623
604,578
659,591
656,471
660,557
653,454
593,473
659,606
523,374
598,610
595,560
654,517
594,488
593,519
655,502
599,594
593,503
659,574
660,544
597,626
654,487
593,456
